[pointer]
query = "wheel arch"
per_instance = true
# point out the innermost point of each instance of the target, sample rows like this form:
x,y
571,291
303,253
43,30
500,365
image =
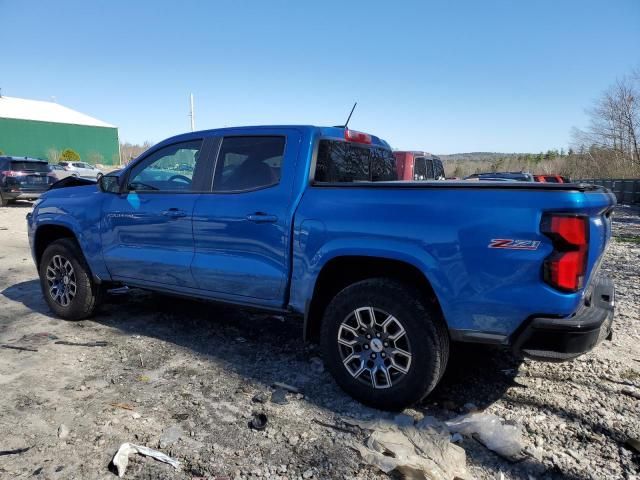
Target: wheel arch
x,y
48,233
341,271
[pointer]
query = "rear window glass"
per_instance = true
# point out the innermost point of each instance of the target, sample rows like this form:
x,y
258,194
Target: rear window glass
x,y
346,162
29,166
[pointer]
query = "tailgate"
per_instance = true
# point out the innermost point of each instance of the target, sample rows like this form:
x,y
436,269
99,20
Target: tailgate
x,y
29,182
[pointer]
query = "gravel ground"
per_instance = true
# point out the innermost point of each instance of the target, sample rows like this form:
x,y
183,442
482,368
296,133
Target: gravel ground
x,y
182,376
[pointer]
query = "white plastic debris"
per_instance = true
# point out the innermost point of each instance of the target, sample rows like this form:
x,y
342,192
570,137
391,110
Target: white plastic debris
x,y
494,434
416,451
121,458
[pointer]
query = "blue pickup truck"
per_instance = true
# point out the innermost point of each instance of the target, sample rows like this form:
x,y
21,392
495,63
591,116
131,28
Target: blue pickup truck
x,y
312,222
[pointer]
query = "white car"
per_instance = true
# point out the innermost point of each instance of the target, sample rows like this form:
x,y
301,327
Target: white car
x,y
81,169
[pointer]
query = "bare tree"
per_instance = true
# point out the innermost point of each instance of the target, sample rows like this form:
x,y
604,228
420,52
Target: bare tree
x,y
53,155
614,127
129,151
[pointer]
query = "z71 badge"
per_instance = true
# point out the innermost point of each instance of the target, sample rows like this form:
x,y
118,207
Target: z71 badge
x,y
511,244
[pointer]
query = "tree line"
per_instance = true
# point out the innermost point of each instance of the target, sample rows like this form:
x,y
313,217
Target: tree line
x,y
609,146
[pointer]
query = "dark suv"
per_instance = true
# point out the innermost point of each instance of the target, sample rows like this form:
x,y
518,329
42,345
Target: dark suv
x,y
22,178
508,176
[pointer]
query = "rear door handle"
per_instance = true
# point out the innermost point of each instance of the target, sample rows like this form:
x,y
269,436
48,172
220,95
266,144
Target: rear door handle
x,y
260,217
174,213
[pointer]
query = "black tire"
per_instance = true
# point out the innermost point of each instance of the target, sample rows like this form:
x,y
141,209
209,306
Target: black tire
x,y
87,293
3,201
426,333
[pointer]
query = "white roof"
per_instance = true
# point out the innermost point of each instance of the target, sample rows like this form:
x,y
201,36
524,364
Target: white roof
x,y
23,109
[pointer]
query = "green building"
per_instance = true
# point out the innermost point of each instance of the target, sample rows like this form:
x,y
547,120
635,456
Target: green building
x,y
38,129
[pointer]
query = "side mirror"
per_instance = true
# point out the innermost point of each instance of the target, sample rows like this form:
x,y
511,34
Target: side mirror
x,y
109,183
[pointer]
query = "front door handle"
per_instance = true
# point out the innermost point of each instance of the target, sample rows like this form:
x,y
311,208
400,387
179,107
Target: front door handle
x,y
260,217
174,213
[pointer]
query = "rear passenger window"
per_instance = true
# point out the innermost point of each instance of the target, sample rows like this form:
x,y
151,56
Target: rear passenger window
x,y
248,163
340,161
420,168
438,169
430,169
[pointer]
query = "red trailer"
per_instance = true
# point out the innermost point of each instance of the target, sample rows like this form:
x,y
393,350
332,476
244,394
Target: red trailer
x,y
418,166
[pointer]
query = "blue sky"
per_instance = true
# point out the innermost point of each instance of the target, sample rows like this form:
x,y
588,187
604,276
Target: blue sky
x,y
443,76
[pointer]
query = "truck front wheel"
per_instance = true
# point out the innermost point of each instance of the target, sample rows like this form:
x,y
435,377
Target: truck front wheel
x,y
66,281
383,344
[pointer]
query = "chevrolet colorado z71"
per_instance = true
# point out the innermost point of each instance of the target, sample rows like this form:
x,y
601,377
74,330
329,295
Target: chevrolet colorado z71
x,y
309,221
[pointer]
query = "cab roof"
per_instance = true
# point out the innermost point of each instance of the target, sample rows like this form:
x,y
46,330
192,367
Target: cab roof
x,y
21,159
322,132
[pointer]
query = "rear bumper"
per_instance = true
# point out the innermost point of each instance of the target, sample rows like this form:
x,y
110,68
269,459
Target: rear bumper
x,y
22,195
558,339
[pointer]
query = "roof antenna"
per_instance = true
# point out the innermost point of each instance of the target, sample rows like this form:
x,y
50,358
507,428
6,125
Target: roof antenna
x,y
348,118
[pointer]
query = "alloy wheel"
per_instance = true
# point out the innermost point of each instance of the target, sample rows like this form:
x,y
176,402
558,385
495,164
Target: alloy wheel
x,y
374,347
61,280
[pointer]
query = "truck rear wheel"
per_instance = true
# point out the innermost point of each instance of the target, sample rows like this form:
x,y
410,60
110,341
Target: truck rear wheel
x,y
66,281
384,345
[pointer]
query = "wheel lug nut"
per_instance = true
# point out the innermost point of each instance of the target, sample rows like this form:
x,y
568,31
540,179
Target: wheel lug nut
x,y
383,354
386,344
366,346
369,336
378,335
373,355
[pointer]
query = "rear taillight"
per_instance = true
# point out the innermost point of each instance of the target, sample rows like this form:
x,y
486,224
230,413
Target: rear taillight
x,y
566,267
357,137
11,173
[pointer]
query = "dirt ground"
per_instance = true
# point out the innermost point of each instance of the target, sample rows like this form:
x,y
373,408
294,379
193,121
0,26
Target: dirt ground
x,y
181,376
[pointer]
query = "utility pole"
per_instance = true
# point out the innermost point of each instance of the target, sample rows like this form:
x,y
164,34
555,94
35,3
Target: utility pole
x,y
193,120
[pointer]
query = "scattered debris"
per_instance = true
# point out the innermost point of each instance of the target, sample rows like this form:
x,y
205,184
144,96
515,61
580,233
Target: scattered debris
x,y
17,451
181,416
258,421
99,343
413,451
260,397
631,392
121,458
63,431
279,397
124,406
492,432
335,427
14,347
284,386
141,362
633,443
39,338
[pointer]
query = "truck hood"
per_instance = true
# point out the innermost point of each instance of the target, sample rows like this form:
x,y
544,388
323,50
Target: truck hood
x,y
71,182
